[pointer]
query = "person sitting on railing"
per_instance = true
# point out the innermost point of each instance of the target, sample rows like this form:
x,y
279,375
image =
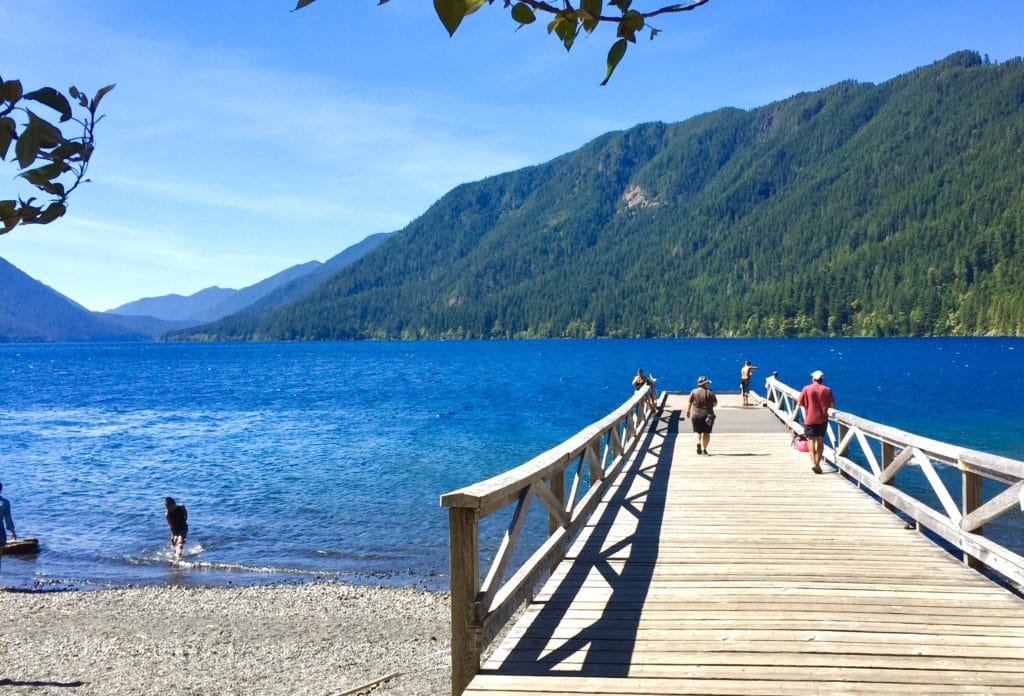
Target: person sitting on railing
x,y
816,400
702,405
640,381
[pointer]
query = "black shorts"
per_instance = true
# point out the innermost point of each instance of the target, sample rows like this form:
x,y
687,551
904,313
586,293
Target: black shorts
x,y
815,430
744,386
700,425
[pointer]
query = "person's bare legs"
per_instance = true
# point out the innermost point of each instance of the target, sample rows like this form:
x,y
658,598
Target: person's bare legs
x,y
706,438
815,448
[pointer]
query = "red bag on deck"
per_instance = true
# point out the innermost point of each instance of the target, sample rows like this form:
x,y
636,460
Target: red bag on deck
x,y
800,443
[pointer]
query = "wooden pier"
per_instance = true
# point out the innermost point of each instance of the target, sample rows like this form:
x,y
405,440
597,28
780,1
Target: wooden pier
x,y
741,572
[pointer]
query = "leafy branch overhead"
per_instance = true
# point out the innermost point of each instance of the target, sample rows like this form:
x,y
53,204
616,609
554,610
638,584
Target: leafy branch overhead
x,y
567,18
62,160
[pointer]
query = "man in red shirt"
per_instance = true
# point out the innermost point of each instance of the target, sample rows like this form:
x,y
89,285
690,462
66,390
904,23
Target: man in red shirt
x,y
816,400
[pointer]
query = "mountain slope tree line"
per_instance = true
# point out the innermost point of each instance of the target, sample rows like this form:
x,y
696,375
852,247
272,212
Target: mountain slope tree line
x,y
856,210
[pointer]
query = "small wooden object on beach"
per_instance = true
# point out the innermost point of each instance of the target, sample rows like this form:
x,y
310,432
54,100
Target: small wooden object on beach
x,y
21,546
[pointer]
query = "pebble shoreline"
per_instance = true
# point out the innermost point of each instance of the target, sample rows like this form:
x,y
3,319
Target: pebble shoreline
x,y
319,638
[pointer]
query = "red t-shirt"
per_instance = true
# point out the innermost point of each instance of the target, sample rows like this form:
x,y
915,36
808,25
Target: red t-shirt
x,y
816,399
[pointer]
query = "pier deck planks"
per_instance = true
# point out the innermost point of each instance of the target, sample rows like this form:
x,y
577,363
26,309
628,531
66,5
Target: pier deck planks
x,y
744,573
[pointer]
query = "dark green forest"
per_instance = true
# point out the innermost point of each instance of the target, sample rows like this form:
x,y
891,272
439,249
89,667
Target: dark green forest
x,y
857,210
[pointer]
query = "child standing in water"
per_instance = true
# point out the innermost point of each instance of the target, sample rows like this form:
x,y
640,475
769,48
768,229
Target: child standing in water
x,y
177,520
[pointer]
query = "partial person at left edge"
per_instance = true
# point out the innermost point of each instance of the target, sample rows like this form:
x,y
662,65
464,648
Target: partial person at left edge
x,y
8,522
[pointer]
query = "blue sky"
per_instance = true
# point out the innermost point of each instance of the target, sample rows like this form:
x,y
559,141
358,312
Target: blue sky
x,y
243,138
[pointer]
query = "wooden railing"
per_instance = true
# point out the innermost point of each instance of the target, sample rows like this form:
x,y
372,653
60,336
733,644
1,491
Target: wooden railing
x,y
589,461
887,450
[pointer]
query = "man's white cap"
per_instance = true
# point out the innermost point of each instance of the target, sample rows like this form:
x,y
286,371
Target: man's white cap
x,y
817,375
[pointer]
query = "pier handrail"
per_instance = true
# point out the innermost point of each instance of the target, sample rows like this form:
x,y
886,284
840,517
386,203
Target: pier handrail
x,y
479,610
960,526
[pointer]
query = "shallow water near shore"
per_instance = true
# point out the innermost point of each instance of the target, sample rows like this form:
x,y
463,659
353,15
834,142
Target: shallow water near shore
x,y
305,461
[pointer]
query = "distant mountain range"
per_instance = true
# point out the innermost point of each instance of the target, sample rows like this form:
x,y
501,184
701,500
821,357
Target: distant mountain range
x,y
212,303
859,209
856,210
33,312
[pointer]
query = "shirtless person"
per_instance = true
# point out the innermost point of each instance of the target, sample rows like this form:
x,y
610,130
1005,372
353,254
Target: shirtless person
x,y
745,372
177,520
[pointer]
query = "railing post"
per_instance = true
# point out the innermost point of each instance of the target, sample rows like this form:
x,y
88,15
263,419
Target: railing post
x,y
888,454
841,430
464,567
558,490
971,495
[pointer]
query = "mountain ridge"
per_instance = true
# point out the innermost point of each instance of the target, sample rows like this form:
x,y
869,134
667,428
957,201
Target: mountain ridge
x,y
858,209
31,311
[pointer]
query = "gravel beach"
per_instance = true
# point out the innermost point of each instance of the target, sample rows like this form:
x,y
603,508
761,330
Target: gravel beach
x,y
293,639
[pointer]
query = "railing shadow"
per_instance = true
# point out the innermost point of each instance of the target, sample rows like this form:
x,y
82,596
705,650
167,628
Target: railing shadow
x,y
42,684
642,492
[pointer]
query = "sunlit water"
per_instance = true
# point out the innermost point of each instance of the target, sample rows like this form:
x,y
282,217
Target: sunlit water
x,y
326,460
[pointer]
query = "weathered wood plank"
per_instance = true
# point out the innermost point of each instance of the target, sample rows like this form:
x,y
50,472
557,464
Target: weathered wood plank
x,y
703,583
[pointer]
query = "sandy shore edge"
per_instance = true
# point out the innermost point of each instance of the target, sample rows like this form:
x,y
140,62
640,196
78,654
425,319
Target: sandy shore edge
x,y
319,638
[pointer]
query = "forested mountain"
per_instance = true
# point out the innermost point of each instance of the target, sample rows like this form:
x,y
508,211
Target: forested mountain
x,y
33,312
302,286
859,209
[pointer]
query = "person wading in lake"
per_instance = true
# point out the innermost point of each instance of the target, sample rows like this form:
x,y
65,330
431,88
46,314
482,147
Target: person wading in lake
x,y
702,404
177,520
816,400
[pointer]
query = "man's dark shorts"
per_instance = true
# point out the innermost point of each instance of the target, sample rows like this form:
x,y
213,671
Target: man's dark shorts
x,y
700,425
744,386
815,430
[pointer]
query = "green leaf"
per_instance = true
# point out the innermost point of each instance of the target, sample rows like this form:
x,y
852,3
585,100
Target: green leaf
x,y
566,27
592,8
452,12
303,3
100,95
523,14
10,216
590,11
27,148
615,54
41,176
11,91
69,150
7,131
53,99
29,212
75,94
622,4
52,212
45,132
630,24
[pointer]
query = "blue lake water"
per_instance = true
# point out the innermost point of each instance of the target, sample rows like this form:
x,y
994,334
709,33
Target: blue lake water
x,y
326,460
